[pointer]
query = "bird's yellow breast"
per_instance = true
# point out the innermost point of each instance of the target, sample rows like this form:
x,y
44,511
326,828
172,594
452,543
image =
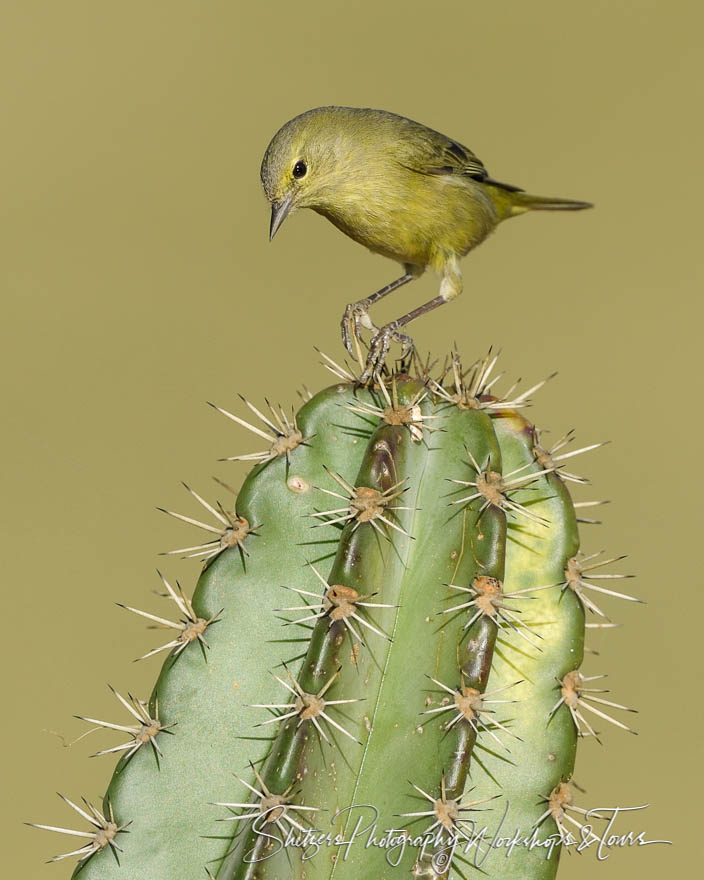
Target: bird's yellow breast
x,y
414,218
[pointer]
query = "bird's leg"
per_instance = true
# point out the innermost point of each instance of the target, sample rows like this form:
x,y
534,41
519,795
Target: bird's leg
x,y
450,287
356,315
379,346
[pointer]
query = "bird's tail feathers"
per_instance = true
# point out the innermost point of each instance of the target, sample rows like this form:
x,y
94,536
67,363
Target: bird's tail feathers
x,y
521,201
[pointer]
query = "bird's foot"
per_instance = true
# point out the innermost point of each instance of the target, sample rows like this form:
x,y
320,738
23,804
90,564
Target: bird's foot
x,y
379,348
355,317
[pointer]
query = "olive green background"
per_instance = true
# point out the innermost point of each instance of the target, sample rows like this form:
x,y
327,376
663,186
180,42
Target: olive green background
x,y
138,282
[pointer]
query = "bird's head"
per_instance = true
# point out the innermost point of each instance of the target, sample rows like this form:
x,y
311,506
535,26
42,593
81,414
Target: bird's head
x,y
304,163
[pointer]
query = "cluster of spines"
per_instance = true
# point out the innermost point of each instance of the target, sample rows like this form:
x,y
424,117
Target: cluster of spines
x,y
340,604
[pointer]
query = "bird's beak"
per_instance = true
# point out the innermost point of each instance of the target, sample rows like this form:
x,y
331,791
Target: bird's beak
x,y
279,212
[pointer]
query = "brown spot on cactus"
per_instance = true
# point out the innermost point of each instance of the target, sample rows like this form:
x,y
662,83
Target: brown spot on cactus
x,y
559,804
146,730
390,411
364,504
268,808
279,431
103,831
339,603
496,490
550,460
576,697
469,704
231,531
190,627
488,601
472,388
298,484
446,812
578,576
308,707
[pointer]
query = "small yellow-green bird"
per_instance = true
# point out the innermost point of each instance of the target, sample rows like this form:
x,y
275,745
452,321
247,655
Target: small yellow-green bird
x,y
399,188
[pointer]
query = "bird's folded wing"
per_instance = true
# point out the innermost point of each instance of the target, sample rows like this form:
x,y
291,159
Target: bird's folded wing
x,y
430,152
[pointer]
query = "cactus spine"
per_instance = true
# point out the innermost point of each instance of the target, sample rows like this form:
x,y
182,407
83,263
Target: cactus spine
x,y
389,628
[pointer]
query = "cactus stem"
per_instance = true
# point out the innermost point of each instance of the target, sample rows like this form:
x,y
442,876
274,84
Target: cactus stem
x,y
375,438
231,531
469,703
106,830
559,801
283,434
446,811
575,696
308,707
575,569
191,627
145,731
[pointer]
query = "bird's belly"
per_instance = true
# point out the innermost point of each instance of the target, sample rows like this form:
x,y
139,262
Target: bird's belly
x,y
393,235
424,223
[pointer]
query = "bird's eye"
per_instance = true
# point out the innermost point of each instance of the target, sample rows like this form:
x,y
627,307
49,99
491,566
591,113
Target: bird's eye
x,y
300,169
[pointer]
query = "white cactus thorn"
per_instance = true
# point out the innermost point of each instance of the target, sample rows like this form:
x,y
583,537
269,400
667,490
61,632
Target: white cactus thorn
x,y
280,431
559,801
549,457
496,489
271,809
345,373
364,505
190,627
308,707
578,576
231,530
588,520
576,697
446,812
470,704
103,833
338,603
422,368
392,412
488,601
474,392
145,731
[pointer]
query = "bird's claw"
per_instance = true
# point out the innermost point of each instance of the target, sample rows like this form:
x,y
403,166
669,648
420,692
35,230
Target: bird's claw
x,y
355,317
379,348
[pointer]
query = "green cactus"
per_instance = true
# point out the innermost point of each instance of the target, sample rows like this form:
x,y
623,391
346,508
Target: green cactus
x,y
388,633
